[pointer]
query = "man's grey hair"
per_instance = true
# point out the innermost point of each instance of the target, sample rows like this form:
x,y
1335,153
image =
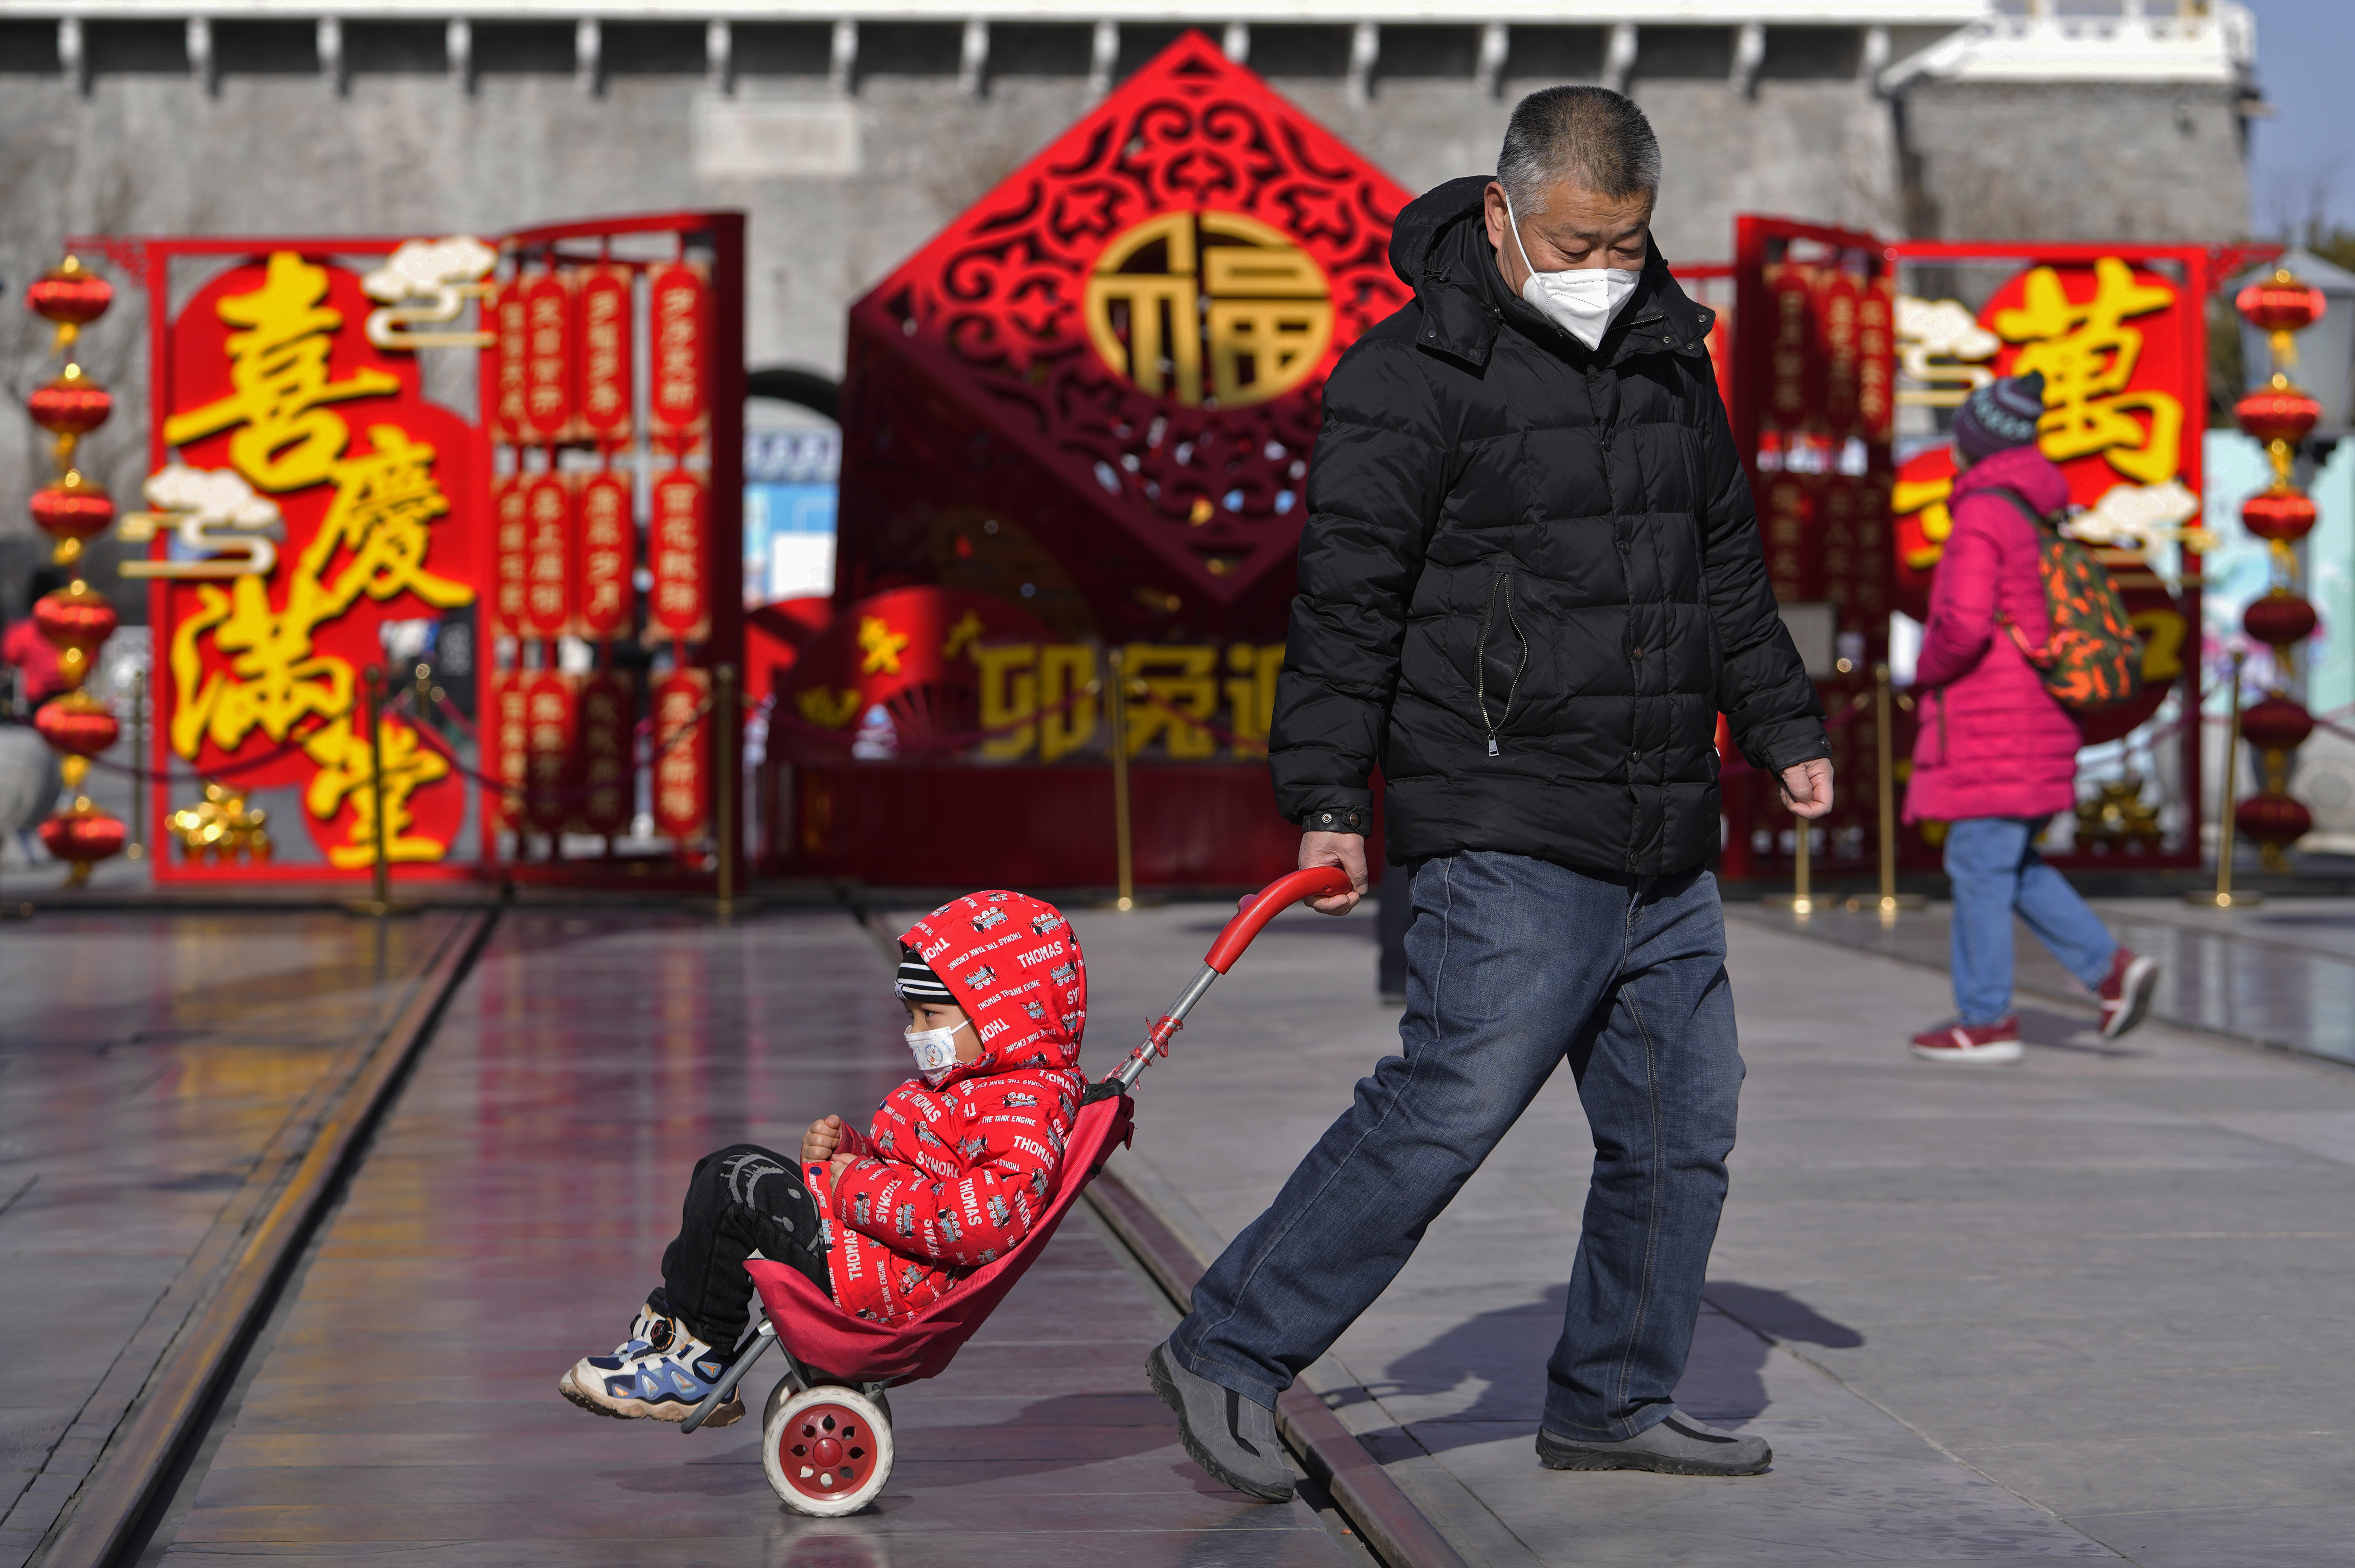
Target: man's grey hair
x,y
1595,138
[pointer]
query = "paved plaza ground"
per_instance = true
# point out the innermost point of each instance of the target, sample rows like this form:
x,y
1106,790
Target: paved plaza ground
x,y
2086,1308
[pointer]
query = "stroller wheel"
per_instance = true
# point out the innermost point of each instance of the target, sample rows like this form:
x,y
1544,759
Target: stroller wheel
x,y
784,1391
827,1450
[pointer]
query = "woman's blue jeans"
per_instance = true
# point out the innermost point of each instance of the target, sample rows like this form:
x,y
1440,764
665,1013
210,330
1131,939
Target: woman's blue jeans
x,y
1514,966
1995,870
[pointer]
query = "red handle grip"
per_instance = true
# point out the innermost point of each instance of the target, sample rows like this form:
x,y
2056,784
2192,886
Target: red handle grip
x,y
1259,908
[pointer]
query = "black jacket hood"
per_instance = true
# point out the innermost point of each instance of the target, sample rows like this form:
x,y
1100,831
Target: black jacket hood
x,y
1438,248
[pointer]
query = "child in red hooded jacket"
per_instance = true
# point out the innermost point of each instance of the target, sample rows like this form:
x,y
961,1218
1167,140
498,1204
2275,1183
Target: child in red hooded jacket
x,y
956,1168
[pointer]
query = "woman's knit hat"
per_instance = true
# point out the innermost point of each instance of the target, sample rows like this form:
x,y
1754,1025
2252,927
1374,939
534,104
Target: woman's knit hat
x,y
1999,415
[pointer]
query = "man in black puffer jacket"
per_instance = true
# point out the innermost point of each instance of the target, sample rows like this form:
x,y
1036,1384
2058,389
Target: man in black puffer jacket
x,y
1529,583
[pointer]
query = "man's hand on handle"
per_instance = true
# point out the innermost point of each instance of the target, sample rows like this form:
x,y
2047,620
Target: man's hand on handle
x,y
1347,851
1808,786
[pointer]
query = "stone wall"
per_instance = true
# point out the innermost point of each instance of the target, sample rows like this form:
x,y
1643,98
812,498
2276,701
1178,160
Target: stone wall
x,y
841,187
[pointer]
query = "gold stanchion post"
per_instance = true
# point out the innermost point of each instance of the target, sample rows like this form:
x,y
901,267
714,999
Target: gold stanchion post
x,y
1123,854
1884,755
2224,898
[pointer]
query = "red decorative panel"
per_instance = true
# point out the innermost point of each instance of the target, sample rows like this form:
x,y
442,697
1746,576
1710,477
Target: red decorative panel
x,y
548,551
548,365
602,297
683,753
607,773
509,729
678,549
548,722
510,565
604,600
1122,347
679,329
510,347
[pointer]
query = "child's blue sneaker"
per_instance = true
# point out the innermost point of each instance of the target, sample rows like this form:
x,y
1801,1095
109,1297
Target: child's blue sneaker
x,y
661,1371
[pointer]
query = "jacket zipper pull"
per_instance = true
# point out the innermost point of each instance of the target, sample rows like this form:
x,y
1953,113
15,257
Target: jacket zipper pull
x,y
1492,746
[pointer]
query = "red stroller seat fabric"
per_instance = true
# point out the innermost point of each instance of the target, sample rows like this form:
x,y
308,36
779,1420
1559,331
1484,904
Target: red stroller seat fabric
x,y
824,1338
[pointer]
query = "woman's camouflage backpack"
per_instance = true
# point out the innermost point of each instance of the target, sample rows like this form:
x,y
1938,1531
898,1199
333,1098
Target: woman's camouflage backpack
x,y
2093,659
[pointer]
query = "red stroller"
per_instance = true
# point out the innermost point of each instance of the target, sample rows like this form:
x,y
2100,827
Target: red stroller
x,y
825,1436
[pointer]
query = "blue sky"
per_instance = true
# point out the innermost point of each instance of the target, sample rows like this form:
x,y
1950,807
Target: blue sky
x,y
2305,155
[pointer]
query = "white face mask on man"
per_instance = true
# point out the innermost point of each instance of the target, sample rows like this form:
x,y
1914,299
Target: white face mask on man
x,y
935,1051
1582,301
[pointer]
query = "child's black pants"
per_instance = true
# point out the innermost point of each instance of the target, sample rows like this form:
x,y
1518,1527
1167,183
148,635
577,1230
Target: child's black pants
x,y
741,1200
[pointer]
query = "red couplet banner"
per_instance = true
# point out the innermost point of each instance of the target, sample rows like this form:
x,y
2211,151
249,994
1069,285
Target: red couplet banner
x,y
548,550
547,365
549,720
679,401
509,569
602,295
682,735
510,348
604,600
679,546
608,706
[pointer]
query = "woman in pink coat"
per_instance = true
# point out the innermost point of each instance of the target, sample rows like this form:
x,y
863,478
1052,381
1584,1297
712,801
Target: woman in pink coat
x,y
1995,754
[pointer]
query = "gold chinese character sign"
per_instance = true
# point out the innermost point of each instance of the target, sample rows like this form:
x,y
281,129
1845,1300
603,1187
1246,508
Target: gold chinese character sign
x,y
345,499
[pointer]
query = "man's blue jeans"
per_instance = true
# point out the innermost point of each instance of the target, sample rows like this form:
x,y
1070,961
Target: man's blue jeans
x,y
1513,965
1993,864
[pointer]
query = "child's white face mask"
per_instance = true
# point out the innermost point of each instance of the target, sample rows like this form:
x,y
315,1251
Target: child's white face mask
x,y
1582,301
935,1051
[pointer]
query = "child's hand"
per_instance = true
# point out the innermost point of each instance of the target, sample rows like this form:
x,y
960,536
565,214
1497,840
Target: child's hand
x,y
824,1137
842,1162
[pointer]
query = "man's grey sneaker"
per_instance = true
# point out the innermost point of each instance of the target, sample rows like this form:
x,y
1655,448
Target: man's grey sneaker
x,y
1232,1438
1676,1446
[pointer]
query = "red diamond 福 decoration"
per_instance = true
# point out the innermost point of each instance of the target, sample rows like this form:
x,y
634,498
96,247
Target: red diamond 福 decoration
x,y
1121,350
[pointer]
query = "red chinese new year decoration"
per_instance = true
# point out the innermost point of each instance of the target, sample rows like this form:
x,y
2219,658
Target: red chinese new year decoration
x,y
510,731
604,599
510,349
2280,513
607,712
548,770
70,295
679,401
683,753
547,556
602,297
2278,618
2280,415
76,618
77,724
679,550
511,565
75,507
548,365
1122,347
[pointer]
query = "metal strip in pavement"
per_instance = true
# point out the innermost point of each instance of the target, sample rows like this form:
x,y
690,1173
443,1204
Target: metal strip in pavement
x,y
113,1502
1398,1531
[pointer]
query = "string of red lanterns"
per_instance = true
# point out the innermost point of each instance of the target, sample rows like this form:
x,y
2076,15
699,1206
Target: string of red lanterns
x,y
2278,414
74,509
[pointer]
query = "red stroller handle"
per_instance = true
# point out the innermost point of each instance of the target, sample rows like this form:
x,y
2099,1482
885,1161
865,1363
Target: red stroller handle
x,y
1259,908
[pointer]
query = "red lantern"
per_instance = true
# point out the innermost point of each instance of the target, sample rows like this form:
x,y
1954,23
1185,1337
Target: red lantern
x,y
83,837
2281,304
2279,618
2273,819
72,405
70,295
76,618
2276,724
2278,414
73,508
77,725
2279,514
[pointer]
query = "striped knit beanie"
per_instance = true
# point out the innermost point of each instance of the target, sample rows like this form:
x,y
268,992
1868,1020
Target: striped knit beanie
x,y
1999,416
917,982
